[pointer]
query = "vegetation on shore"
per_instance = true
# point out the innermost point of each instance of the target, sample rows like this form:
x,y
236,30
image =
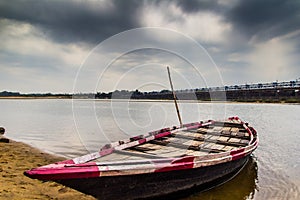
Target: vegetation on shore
x,y
283,95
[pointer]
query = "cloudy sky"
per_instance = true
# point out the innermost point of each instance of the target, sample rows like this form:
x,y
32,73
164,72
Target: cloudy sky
x,y
103,45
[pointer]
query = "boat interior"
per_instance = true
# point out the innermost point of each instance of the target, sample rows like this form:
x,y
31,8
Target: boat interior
x,y
214,138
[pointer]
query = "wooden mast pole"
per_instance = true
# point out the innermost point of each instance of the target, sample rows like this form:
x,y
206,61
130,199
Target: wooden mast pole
x,y
174,97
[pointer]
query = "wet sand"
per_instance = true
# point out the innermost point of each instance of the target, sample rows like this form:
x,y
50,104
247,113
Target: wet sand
x,y
15,158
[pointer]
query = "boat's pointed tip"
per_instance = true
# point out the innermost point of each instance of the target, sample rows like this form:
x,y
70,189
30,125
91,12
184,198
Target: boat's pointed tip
x,y
28,173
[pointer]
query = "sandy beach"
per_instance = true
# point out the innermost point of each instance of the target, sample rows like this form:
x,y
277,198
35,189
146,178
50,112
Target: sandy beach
x,y
15,158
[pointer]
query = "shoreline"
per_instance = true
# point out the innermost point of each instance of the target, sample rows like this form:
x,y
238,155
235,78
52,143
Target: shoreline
x,y
17,157
266,101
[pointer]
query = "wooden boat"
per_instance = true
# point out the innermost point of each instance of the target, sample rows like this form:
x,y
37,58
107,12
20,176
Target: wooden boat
x,y
159,162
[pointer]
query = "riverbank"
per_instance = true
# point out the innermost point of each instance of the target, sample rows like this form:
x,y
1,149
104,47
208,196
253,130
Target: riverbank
x,y
15,158
274,101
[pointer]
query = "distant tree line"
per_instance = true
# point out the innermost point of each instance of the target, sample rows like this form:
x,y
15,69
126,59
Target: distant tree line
x,y
33,95
125,94
9,94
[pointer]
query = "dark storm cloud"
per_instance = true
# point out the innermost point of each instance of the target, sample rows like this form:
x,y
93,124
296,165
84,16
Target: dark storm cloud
x,y
73,21
82,21
266,19
196,5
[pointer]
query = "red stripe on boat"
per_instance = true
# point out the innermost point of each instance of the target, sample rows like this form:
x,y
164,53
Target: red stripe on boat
x,y
194,126
179,164
141,141
66,162
237,154
72,171
162,134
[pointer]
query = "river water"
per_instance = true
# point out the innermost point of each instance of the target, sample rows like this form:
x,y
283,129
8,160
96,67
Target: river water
x,y
75,127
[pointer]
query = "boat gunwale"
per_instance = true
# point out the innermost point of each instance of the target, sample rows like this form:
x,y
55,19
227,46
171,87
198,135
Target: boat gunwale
x,y
143,166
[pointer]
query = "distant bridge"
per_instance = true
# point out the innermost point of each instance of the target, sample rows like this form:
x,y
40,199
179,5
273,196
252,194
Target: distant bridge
x,y
273,85
288,91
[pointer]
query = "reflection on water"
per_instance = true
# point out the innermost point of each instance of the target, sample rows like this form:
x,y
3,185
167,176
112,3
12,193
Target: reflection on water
x,y
242,186
58,127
